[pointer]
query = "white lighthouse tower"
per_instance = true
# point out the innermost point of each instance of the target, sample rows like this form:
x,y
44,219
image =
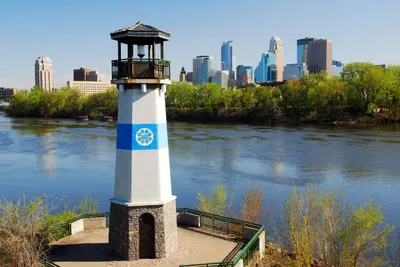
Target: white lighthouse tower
x,y
143,210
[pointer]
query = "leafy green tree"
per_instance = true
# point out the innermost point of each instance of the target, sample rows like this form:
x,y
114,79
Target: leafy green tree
x,y
179,95
364,82
73,103
294,99
328,98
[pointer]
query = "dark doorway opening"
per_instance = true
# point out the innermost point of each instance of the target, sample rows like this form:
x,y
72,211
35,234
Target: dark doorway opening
x,y
146,236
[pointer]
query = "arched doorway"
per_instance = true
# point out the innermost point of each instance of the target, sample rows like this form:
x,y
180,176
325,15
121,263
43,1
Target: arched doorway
x,y
146,236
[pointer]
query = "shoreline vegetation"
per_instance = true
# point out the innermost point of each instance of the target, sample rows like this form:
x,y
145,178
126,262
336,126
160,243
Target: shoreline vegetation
x,y
29,225
364,93
316,228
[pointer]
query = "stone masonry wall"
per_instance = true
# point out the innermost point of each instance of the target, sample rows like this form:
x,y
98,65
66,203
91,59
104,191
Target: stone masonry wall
x,y
124,229
134,215
118,231
170,227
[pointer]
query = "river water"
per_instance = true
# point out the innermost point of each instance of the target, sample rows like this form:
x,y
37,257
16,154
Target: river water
x,y
67,158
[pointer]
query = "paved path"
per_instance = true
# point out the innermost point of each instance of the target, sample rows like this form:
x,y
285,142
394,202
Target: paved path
x,y
89,248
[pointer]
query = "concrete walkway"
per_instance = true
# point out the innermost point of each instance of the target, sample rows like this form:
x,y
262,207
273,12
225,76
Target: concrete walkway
x,y
89,248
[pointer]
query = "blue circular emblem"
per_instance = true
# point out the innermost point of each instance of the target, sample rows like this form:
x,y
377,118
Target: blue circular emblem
x,y
144,137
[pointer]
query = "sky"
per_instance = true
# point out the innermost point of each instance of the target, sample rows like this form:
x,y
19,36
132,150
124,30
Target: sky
x,y
76,33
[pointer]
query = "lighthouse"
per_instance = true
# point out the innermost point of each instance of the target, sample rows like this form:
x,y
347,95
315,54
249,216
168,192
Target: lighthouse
x,y
143,209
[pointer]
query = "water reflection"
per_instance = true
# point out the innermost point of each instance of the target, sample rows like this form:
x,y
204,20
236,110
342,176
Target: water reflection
x,y
65,158
48,157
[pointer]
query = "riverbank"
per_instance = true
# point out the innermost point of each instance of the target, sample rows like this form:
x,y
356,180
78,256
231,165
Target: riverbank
x,y
316,98
256,117
236,117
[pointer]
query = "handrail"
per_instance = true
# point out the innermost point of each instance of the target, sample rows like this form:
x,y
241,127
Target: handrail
x,y
248,245
243,253
133,68
198,212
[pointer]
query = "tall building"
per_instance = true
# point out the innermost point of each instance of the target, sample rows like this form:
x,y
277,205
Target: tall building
x,y
302,49
7,93
220,77
266,69
44,73
88,87
337,67
94,76
295,71
201,69
227,56
197,63
182,75
244,75
80,74
275,47
85,74
319,56
190,77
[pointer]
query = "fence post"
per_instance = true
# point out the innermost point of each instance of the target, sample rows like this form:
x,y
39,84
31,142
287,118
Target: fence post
x,y
213,220
229,225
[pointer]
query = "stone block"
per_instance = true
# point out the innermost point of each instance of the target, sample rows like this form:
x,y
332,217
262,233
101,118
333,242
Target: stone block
x,y
186,219
124,234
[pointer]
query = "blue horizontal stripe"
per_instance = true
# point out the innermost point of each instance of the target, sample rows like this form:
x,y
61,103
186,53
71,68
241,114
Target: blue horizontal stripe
x,y
142,136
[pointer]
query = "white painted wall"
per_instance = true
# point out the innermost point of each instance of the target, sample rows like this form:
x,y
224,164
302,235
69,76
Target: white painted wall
x,y
142,176
137,107
151,178
261,239
123,173
77,226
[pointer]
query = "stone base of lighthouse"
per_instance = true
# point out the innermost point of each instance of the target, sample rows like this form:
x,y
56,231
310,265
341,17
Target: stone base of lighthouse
x,y
143,231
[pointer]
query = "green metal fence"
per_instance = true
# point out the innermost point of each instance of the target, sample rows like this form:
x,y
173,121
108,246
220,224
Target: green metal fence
x,y
220,223
227,225
209,221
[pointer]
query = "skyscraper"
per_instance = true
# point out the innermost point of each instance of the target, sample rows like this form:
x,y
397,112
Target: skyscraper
x,y
227,56
220,77
319,56
295,71
204,73
182,75
275,47
266,69
244,75
44,73
80,74
190,77
198,64
302,49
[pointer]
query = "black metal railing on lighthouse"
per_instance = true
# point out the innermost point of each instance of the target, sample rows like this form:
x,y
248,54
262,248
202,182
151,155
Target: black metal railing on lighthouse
x,y
140,69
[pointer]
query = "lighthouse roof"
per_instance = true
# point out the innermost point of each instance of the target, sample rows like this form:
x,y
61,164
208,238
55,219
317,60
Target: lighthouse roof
x,y
140,34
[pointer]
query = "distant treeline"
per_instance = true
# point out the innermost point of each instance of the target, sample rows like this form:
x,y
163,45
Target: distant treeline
x,y
63,103
363,91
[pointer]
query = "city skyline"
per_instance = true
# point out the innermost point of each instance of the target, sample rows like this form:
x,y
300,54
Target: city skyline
x,y
72,40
